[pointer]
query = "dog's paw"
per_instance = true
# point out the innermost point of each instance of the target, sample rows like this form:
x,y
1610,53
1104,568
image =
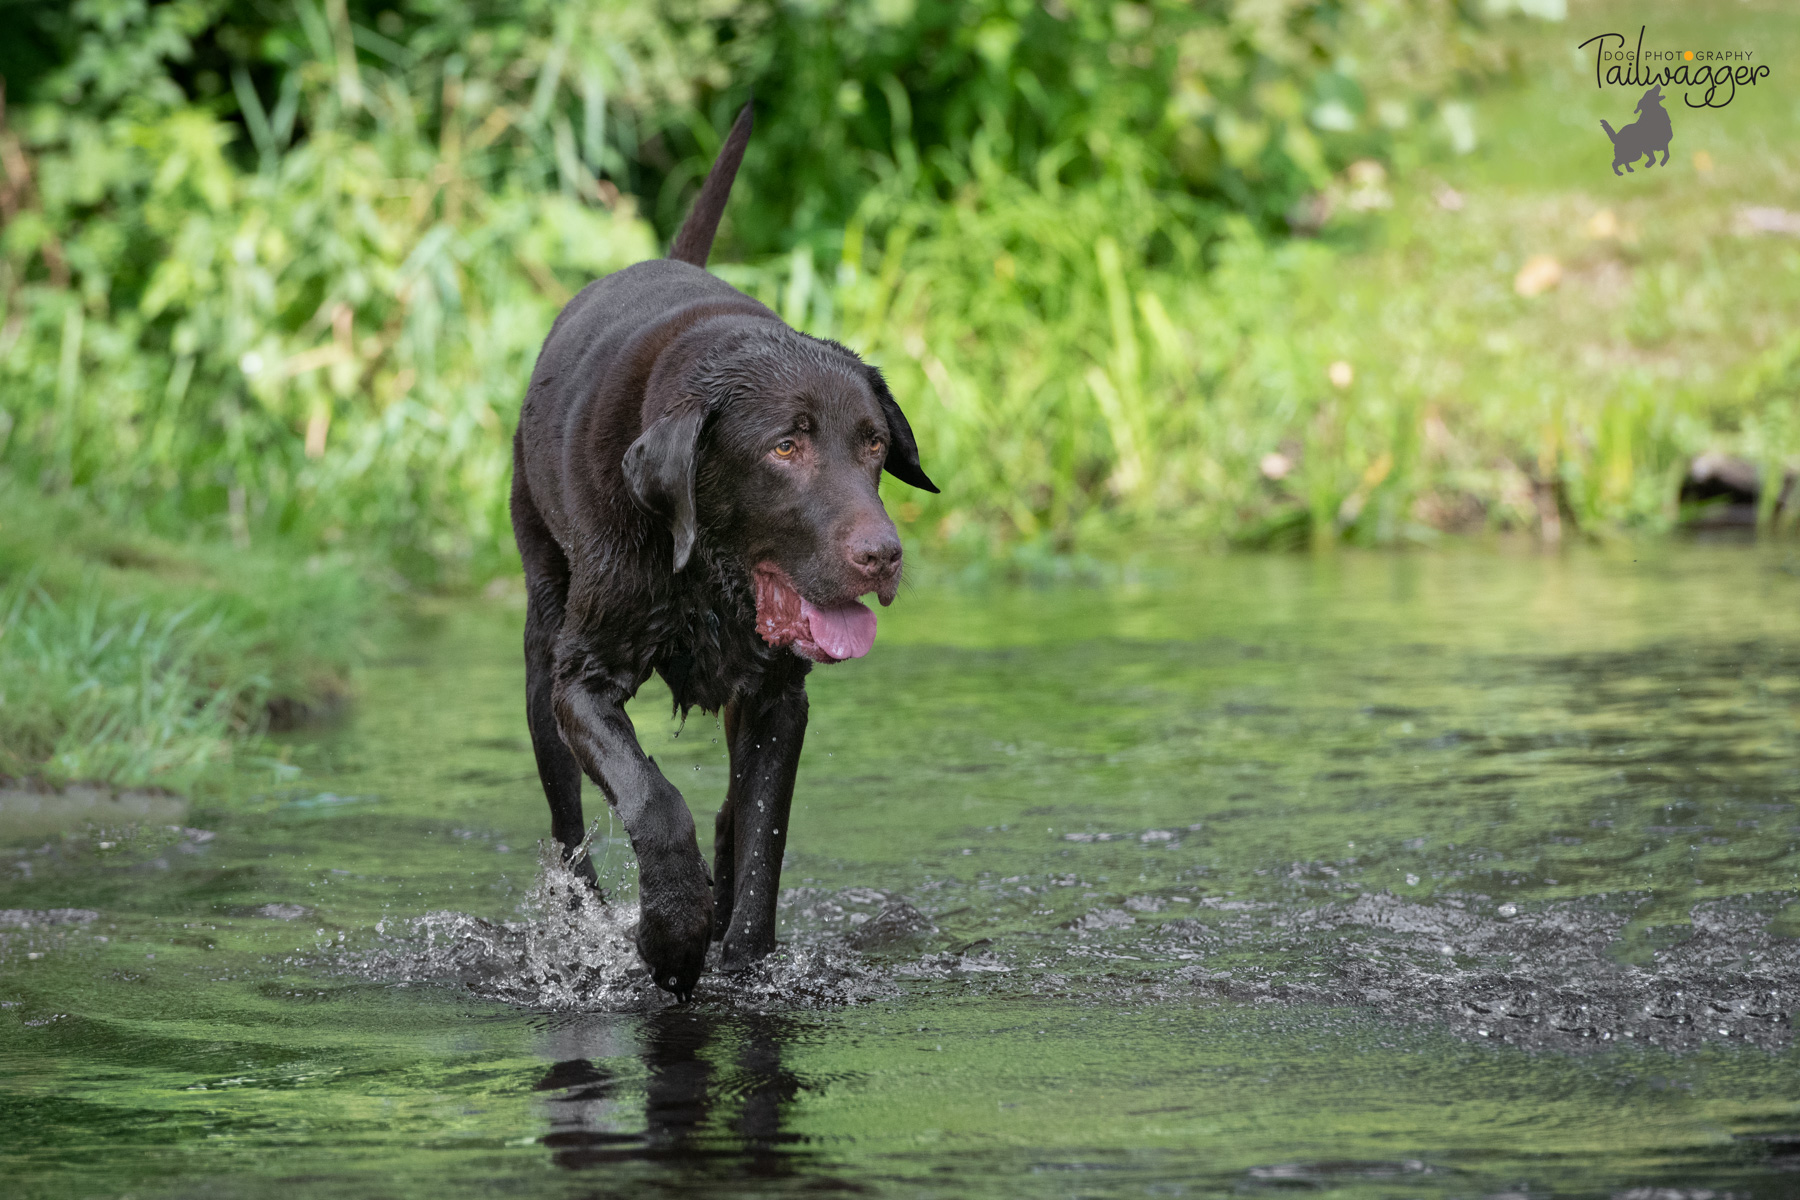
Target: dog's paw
x,y
745,946
675,912
737,956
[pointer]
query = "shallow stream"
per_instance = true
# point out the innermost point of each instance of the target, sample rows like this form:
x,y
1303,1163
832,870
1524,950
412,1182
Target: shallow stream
x,y
1463,874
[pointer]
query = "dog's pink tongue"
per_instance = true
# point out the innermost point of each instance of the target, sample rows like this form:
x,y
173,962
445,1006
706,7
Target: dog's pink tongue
x,y
843,631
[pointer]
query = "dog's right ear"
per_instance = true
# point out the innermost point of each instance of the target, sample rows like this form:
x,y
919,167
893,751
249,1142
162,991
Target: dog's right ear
x,y
659,471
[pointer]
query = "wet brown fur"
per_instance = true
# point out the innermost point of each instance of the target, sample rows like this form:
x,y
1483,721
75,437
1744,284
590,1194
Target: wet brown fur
x,y
643,496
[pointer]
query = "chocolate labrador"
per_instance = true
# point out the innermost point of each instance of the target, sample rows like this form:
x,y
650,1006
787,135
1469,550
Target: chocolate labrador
x,y
694,493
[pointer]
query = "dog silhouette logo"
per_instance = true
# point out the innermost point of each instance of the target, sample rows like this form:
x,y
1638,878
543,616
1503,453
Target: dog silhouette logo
x,y
1645,136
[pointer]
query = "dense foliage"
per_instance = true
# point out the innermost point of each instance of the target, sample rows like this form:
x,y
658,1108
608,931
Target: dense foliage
x,y
285,266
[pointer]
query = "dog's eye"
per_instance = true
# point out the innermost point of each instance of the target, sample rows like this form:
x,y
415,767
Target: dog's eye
x,y
875,445
784,448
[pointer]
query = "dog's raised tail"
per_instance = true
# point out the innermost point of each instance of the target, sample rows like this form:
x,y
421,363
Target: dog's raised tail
x,y
1603,125
695,240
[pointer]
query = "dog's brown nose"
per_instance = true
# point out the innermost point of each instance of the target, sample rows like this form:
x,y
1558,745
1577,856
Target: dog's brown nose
x,y
873,551
875,554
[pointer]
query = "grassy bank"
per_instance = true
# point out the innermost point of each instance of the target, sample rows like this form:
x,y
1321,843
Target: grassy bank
x,y
136,661
1507,338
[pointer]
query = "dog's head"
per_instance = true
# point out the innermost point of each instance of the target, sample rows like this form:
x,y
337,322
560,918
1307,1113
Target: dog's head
x,y
773,456
1653,98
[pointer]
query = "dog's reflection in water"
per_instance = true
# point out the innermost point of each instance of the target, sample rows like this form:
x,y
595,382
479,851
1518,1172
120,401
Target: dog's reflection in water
x,y
714,1088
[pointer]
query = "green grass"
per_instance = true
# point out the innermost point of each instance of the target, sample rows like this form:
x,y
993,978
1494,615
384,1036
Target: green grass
x,y
1077,368
134,661
1671,331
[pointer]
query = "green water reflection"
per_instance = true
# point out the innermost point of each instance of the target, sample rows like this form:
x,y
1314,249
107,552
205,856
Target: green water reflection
x,y
1071,782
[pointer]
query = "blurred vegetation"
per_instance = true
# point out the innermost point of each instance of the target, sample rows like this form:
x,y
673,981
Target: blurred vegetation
x,y
1262,272
284,266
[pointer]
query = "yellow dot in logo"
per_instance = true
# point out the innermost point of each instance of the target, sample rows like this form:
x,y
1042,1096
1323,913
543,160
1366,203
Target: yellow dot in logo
x,y
1688,54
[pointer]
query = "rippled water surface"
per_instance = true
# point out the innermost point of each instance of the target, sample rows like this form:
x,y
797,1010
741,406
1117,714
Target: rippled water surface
x,y
1454,875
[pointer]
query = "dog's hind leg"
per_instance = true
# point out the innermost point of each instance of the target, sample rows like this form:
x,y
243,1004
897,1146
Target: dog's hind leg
x,y
1665,160
546,592
724,835
768,730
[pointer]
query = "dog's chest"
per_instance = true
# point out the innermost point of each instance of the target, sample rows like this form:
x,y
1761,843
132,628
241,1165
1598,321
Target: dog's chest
x,y
710,653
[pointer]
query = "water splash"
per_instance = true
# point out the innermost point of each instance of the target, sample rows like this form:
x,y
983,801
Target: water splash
x,y
570,951
1557,977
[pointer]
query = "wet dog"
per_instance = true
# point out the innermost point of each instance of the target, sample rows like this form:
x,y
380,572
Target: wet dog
x,y
1642,138
695,494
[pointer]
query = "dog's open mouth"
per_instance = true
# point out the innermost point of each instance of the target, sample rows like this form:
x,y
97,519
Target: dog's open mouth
x,y
826,635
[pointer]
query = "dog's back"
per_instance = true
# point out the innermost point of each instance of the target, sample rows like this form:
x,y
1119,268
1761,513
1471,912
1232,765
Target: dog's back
x,y
579,414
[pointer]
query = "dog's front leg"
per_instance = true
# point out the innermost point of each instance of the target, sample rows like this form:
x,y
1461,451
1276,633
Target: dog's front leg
x,y
674,894
766,734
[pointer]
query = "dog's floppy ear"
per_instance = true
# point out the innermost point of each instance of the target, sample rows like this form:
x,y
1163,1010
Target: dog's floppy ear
x,y
659,470
903,452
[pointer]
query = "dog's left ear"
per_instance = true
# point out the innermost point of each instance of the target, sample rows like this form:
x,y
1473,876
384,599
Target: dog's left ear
x,y
903,451
659,471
